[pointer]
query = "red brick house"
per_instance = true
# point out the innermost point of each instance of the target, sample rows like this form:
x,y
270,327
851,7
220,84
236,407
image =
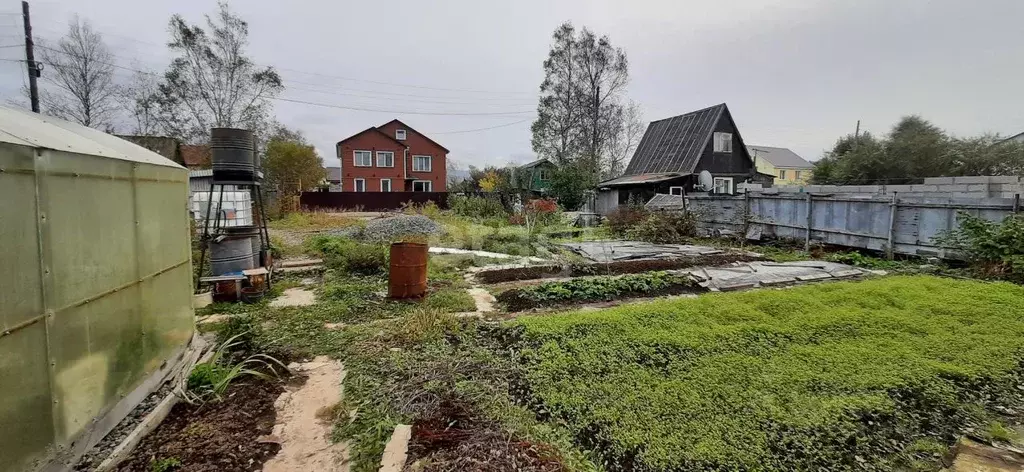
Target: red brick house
x,y
392,158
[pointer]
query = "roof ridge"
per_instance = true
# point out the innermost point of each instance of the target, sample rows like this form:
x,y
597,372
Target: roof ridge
x,y
690,112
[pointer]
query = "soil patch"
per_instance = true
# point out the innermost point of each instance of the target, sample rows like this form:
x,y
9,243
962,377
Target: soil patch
x,y
453,440
633,266
215,437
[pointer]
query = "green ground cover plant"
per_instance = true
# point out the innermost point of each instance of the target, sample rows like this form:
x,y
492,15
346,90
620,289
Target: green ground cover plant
x,y
866,375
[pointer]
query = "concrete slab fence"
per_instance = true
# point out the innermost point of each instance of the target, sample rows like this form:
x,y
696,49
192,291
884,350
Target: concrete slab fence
x,y
893,223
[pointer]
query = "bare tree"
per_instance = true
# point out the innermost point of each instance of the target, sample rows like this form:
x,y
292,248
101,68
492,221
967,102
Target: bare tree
x,y
628,132
140,101
79,85
212,83
580,111
556,132
605,73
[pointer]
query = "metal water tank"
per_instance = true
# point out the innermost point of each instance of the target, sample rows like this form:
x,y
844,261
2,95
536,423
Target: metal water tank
x,y
232,254
232,153
253,232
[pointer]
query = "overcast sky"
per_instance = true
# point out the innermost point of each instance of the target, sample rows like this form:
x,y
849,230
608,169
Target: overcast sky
x,y
795,73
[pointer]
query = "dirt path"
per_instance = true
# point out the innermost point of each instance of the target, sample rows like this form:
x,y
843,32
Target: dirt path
x,y
304,418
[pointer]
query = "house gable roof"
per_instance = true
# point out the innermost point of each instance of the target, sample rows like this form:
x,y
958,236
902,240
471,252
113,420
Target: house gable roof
x,y
409,128
372,130
536,163
676,144
779,157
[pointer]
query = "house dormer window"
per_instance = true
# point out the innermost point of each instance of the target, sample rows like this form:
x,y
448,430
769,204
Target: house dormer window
x,y
400,134
723,142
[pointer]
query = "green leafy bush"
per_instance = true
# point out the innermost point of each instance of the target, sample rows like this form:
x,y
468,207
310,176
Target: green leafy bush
x,y
624,217
350,256
477,207
996,248
843,376
857,259
592,288
665,227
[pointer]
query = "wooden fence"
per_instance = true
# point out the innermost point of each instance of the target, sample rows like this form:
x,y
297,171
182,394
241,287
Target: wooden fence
x,y
369,201
893,224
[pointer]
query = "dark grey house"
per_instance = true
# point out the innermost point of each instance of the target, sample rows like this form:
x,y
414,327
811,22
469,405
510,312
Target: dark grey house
x,y
675,150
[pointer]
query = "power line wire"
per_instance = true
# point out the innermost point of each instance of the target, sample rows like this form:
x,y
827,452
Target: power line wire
x,y
325,105
338,77
343,107
484,129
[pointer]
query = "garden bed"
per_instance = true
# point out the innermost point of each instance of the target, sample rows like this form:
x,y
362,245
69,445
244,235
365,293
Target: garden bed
x,y
595,289
221,436
871,375
635,266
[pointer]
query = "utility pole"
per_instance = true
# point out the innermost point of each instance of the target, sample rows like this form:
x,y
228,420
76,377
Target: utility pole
x,y
33,68
856,136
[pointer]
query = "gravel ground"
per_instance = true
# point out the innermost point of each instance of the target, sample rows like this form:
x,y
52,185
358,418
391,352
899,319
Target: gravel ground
x,y
396,227
102,450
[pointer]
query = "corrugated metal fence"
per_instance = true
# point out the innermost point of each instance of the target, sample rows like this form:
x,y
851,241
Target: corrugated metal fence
x,y
904,225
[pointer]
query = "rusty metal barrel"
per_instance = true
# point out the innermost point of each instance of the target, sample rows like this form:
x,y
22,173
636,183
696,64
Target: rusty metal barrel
x,y
407,277
232,154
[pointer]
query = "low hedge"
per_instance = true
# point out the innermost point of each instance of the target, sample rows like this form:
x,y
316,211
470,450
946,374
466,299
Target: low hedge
x,y
841,376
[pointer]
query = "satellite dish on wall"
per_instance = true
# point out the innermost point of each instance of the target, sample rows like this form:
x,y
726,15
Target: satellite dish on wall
x,y
707,183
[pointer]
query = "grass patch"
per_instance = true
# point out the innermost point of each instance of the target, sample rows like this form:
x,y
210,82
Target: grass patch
x,y
311,220
841,376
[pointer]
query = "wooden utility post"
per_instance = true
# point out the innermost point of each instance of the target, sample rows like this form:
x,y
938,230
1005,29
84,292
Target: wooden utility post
x,y
30,60
856,136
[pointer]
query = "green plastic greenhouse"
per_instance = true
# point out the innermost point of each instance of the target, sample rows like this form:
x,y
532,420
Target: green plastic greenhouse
x,y
95,283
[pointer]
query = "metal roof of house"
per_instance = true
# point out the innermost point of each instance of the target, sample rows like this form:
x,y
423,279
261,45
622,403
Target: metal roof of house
x,y
35,130
664,201
675,144
779,157
640,179
534,163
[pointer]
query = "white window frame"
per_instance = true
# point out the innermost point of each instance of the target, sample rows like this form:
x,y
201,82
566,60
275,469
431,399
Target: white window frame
x,y
400,134
430,163
355,158
382,185
542,175
728,180
723,141
356,186
390,154
782,174
430,185
674,190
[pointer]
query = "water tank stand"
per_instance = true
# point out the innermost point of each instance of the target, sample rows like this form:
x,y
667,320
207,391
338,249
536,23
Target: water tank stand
x,y
213,230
